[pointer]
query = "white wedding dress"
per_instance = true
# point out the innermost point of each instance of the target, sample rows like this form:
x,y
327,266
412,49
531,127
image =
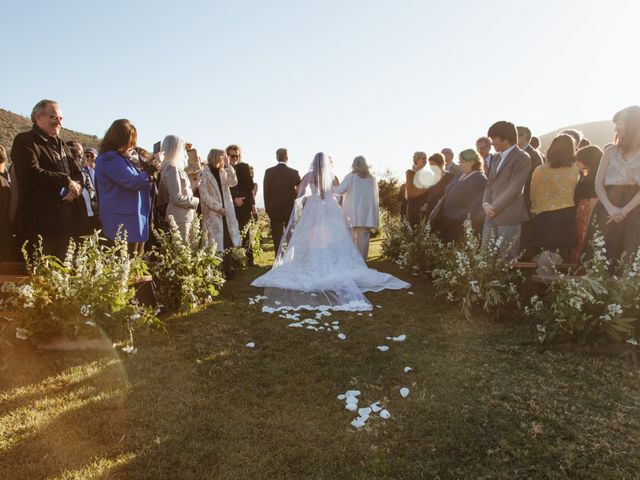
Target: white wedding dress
x,y
317,266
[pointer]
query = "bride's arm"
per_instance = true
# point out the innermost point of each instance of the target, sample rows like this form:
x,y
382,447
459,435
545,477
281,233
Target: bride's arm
x,y
303,185
342,188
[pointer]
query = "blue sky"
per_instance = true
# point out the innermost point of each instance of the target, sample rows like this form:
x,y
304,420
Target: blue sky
x,y
352,77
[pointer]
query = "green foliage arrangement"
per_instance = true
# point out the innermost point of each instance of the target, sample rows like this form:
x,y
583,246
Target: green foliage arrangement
x,y
90,290
256,231
388,189
187,272
478,277
590,307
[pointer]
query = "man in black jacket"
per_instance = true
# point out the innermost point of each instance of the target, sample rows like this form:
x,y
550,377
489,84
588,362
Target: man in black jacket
x,y
526,236
280,184
242,194
49,182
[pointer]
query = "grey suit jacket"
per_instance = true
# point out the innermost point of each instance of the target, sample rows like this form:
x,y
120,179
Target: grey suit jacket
x,y
505,188
175,192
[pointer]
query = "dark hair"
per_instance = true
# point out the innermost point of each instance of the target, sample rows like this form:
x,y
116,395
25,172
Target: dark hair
x,y
562,151
585,142
589,156
631,140
436,159
524,131
121,136
535,142
39,108
232,147
573,133
504,130
281,154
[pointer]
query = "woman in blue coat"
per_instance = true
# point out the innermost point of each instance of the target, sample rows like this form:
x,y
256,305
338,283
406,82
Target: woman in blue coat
x,y
124,190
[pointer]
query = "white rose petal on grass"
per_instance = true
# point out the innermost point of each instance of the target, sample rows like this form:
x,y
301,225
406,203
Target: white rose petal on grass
x,y
22,334
250,345
410,293
408,369
382,348
358,422
130,349
364,412
385,414
378,306
342,336
335,328
375,407
404,391
295,325
352,407
353,393
342,396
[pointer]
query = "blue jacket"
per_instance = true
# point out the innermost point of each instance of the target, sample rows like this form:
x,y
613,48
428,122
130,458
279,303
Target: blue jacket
x,y
124,197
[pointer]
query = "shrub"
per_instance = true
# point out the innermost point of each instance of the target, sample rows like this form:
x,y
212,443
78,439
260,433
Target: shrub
x,y
187,272
90,288
478,276
590,307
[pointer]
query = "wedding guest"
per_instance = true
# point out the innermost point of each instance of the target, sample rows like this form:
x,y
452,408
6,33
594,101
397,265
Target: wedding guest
x,y
90,155
279,186
254,191
585,197
242,197
361,205
618,187
576,135
449,165
174,190
535,143
552,199
5,208
416,197
88,222
503,200
48,181
435,192
526,232
483,147
218,213
462,199
124,190
402,200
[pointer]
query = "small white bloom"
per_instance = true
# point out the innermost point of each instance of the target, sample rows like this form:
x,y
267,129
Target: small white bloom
x,y
22,333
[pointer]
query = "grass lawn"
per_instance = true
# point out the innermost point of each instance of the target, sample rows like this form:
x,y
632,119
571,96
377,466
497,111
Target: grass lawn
x,y
198,404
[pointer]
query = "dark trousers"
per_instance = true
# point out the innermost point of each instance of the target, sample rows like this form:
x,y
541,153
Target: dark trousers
x,y
243,220
277,230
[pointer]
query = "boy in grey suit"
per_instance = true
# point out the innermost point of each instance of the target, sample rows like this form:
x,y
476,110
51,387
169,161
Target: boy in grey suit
x,y
503,201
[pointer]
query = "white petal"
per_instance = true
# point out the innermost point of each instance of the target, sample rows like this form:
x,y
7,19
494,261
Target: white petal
x,y
400,338
352,407
382,348
250,345
408,369
353,393
357,422
364,411
295,325
385,414
342,336
342,396
410,293
404,391
375,407
351,400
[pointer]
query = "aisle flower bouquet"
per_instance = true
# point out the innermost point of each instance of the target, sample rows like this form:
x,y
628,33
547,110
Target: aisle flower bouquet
x,y
187,272
87,293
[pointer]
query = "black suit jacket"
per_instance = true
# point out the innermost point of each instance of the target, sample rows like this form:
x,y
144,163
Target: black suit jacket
x,y
244,188
280,184
39,184
536,161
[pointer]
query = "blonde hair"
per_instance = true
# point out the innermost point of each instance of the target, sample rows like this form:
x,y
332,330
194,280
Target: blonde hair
x,y
215,153
360,167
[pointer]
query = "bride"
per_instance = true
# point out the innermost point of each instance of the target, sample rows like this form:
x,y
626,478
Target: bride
x,y
317,265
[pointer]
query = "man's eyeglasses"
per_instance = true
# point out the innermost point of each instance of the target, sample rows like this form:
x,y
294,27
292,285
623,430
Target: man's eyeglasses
x,y
234,156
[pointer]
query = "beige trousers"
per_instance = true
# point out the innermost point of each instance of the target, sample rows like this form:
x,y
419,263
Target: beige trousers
x,y
360,237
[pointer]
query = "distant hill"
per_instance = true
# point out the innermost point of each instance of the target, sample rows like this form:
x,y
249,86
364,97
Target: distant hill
x,y
11,124
600,133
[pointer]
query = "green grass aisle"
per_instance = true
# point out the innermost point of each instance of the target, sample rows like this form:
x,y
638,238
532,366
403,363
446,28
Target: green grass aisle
x,y
200,404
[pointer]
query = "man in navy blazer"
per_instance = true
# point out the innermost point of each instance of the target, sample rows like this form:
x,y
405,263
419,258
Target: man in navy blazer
x,y
503,200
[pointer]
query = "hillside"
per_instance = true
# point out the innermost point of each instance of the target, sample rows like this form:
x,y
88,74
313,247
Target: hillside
x,y
600,133
11,124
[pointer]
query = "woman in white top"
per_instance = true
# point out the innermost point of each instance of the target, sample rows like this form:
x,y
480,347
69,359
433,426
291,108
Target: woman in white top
x,y
360,204
618,187
175,188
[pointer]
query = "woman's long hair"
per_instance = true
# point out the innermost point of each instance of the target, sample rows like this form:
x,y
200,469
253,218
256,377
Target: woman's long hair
x,y
630,141
120,137
360,167
214,155
175,154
